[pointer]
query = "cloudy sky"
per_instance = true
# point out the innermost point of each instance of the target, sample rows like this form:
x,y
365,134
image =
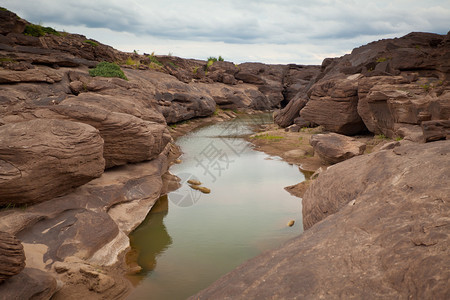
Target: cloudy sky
x,y
270,31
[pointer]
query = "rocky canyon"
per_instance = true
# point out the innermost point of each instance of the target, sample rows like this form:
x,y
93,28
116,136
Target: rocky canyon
x,y
84,158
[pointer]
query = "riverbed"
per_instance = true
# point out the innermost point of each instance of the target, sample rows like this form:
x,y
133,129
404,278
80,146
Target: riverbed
x,y
190,239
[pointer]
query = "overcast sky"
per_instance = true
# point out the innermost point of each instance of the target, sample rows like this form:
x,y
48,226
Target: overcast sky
x,y
269,31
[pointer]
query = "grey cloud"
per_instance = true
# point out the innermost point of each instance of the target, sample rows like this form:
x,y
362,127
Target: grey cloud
x,y
263,21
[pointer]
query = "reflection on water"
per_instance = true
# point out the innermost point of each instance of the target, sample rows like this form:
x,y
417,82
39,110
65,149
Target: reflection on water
x,y
190,240
153,227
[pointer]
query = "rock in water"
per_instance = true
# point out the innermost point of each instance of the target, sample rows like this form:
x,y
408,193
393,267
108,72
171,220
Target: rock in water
x,y
194,182
12,256
42,159
291,223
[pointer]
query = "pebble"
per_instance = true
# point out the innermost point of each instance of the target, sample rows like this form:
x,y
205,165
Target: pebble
x,y
291,223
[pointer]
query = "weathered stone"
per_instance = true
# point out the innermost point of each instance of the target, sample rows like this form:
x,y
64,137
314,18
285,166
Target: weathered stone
x,y
29,284
333,148
11,22
42,159
12,256
381,236
41,74
387,102
127,139
333,104
286,116
436,130
237,96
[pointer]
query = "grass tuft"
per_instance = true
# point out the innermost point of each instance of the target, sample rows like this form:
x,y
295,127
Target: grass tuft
x,y
38,30
92,43
106,69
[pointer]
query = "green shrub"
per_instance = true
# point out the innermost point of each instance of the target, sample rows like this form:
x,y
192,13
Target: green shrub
x,y
90,42
154,59
2,8
106,69
38,30
130,61
220,58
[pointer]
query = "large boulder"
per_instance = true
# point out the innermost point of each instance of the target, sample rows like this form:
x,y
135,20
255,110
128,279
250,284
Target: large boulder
x,y
333,104
387,101
127,139
383,234
12,256
42,159
333,148
30,284
436,130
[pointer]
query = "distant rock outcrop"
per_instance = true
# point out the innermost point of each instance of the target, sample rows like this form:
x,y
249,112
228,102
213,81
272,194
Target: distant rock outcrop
x,y
381,87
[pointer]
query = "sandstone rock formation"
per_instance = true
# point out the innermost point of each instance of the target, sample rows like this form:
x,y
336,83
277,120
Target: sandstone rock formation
x,y
382,86
31,283
436,130
43,159
333,148
333,104
76,233
376,234
12,256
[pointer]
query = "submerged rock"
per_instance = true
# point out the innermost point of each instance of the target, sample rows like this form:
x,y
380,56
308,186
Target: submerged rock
x,y
194,182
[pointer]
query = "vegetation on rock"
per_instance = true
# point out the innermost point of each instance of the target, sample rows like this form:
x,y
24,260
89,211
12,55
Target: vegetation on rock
x,y
106,69
38,30
91,42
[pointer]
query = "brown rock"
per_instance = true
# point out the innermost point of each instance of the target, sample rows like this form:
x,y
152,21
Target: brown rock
x,y
127,139
286,116
42,74
29,284
387,102
11,23
436,130
237,96
42,159
333,104
12,257
333,148
382,234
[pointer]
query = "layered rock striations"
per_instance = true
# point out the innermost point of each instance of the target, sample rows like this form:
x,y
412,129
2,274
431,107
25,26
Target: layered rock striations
x,y
381,87
83,157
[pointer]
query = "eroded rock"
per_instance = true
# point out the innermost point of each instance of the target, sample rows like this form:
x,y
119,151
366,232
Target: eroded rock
x,y
381,235
333,104
12,256
29,284
333,148
42,159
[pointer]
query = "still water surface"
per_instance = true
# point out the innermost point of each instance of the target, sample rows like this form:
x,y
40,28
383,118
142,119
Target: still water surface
x,y
190,239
